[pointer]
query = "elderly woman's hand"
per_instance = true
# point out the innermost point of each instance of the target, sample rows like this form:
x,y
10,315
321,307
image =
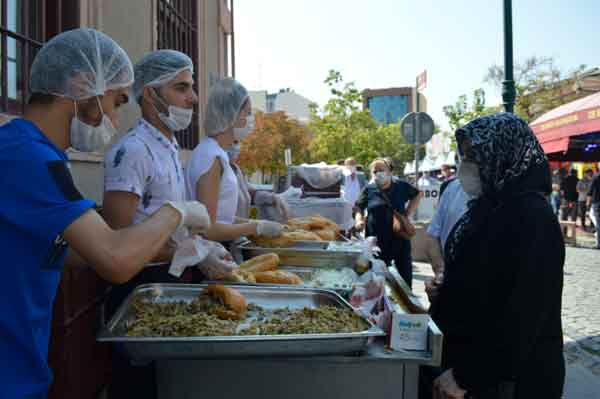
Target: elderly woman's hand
x,y
359,225
446,387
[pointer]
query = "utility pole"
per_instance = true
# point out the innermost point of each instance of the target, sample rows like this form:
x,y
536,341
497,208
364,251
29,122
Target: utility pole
x,y
508,84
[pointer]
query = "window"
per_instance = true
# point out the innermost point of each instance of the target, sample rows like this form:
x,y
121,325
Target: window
x,y
24,26
178,30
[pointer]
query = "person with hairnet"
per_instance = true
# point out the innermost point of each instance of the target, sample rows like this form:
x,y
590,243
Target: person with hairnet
x,y
143,170
210,178
78,81
249,195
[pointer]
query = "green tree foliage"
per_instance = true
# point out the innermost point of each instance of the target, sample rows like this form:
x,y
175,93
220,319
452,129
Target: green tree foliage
x,y
462,111
343,129
540,85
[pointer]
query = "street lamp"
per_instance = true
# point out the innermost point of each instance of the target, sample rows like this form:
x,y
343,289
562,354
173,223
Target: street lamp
x,y
508,84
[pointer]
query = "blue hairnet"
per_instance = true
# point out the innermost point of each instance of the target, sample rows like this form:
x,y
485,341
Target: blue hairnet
x,y
225,101
80,64
158,68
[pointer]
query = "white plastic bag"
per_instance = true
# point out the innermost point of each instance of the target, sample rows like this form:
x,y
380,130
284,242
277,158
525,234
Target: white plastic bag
x,y
190,251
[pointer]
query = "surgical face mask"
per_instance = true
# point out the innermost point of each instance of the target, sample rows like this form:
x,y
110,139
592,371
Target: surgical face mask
x,y
88,138
382,178
234,151
239,133
470,180
178,118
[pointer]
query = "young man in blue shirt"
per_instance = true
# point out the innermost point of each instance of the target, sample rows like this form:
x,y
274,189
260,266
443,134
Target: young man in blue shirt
x,y
78,81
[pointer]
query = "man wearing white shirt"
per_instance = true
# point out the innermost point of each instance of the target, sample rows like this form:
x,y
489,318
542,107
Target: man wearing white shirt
x,y
452,206
352,188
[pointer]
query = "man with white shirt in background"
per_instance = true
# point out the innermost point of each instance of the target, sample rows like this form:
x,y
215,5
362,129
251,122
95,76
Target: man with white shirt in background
x,y
452,205
352,187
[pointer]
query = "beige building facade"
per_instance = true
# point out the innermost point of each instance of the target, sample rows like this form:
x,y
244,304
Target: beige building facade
x,y
203,29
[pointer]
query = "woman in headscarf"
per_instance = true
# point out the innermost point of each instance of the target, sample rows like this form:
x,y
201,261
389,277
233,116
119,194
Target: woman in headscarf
x,y
499,306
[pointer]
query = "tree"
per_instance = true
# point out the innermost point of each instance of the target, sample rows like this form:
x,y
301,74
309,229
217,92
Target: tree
x,y
540,85
343,129
263,149
462,112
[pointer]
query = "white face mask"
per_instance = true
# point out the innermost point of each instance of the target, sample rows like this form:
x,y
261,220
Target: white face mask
x,y
88,138
382,178
470,180
234,151
239,133
178,118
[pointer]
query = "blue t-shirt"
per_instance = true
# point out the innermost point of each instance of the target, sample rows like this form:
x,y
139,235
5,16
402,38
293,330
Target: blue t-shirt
x,y
38,201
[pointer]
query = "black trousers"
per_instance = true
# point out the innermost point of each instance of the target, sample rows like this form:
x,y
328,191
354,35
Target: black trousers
x,y
398,250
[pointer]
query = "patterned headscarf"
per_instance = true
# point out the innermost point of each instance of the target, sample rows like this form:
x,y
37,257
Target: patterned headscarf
x,y
506,150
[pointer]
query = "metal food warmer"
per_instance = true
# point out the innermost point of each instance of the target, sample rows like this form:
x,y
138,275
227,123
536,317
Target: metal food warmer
x,y
355,365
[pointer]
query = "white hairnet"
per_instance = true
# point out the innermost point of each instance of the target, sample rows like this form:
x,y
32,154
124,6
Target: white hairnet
x,y
225,101
80,64
158,68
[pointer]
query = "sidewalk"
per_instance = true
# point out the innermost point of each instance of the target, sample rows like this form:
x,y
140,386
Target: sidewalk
x,y
583,368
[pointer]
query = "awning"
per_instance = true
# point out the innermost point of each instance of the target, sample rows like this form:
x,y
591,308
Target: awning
x,y
555,128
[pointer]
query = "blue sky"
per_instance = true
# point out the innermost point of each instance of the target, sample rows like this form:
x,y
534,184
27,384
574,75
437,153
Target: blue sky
x,y
385,43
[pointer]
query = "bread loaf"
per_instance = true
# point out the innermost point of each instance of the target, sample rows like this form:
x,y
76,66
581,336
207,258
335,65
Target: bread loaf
x,y
277,277
234,302
261,263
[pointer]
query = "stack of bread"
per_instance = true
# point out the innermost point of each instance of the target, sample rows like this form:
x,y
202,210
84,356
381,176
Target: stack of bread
x,y
309,228
263,270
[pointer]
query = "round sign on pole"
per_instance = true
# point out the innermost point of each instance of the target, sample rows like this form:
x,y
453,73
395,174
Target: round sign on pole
x,y
424,128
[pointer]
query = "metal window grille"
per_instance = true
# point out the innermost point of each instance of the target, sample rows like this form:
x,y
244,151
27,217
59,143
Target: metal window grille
x,y
24,26
178,30
21,35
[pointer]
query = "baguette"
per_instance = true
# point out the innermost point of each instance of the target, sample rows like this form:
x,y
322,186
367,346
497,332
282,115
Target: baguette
x,y
277,277
235,305
326,234
261,263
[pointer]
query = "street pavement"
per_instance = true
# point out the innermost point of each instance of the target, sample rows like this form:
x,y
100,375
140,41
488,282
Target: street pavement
x,y
581,319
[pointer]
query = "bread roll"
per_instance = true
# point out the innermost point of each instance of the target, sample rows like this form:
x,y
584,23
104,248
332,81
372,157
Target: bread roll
x,y
282,241
302,235
277,277
319,222
261,263
241,276
233,300
326,234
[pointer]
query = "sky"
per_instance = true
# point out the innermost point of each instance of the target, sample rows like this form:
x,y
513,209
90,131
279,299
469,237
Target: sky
x,y
387,43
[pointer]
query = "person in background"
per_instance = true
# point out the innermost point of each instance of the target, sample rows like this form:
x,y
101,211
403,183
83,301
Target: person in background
x,y
593,203
452,206
583,188
248,195
447,173
351,187
570,196
78,81
506,243
379,221
209,176
555,200
427,180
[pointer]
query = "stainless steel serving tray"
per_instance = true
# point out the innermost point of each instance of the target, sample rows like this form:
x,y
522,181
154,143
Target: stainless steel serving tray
x,y
154,348
304,253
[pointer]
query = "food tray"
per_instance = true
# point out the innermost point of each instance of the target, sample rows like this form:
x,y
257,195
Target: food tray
x,y
154,348
304,253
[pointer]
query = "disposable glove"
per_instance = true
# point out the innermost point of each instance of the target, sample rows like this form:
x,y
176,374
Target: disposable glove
x,y
266,228
193,214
